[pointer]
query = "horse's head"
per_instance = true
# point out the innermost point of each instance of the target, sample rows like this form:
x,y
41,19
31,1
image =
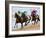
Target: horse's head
x,y
16,15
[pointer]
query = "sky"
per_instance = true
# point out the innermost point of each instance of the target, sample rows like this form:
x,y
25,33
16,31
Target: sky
x,y
27,9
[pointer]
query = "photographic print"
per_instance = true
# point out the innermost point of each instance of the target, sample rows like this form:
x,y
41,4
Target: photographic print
x,y
25,19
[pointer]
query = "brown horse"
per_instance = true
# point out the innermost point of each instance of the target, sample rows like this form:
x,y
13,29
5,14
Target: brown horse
x,y
21,19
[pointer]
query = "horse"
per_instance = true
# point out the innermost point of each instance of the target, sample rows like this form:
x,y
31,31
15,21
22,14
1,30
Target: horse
x,y
21,19
35,18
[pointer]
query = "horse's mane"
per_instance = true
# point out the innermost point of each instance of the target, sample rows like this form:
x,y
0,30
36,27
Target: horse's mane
x,y
16,15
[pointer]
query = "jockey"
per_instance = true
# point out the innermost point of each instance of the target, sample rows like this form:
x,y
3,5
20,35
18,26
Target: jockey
x,y
33,13
19,14
24,14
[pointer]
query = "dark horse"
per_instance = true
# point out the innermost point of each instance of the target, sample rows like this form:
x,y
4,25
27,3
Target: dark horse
x,y
21,19
35,18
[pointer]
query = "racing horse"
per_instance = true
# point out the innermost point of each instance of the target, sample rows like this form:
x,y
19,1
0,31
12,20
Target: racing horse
x,y
21,19
35,17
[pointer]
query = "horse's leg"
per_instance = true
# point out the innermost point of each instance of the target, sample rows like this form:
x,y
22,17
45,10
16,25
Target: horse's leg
x,y
21,25
34,21
29,21
15,24
38,19
25,24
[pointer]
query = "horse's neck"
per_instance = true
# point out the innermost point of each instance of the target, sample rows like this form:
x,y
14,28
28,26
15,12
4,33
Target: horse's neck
x,y
17,15
31,17
37,16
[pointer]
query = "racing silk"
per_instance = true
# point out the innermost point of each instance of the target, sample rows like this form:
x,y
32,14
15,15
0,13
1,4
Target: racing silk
x,y
19,14
33,13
